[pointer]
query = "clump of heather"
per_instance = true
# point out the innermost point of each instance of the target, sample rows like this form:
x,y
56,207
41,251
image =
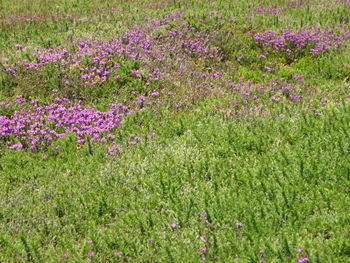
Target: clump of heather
x,y
308,41
248,98
140,57
36,125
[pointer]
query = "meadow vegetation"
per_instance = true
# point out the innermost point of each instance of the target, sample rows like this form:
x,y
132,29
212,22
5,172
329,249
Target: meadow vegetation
x,y
175,131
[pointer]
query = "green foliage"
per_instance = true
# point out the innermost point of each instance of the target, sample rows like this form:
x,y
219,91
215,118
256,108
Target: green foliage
x,y
286,180
284,175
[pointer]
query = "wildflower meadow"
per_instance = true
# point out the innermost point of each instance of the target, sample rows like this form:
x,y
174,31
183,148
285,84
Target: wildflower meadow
x,y
175,131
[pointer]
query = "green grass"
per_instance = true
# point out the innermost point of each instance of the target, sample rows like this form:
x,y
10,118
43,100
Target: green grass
x,y
285,175
286,180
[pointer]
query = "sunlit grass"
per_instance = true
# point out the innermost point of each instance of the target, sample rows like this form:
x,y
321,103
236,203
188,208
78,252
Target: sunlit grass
x,y
229,157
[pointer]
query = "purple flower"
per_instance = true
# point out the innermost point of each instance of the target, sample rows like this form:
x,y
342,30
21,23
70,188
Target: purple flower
x,y
239,224
174,224
203,249
217,74
91,254
16,146
151,135
66,255
303,260
274,98
111,152
118,254
89,241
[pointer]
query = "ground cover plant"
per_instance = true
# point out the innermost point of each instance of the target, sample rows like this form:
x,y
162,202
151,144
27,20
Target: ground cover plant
x,y
174,131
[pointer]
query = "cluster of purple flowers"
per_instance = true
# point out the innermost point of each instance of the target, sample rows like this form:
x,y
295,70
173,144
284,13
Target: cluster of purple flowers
x,y
37,125
249,98
312,40
165,41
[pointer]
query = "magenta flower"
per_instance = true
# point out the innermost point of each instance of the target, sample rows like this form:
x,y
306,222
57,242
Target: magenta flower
x,y
66,255
174,224
111,152
239,224
16,146
118,254
91,254
151,135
